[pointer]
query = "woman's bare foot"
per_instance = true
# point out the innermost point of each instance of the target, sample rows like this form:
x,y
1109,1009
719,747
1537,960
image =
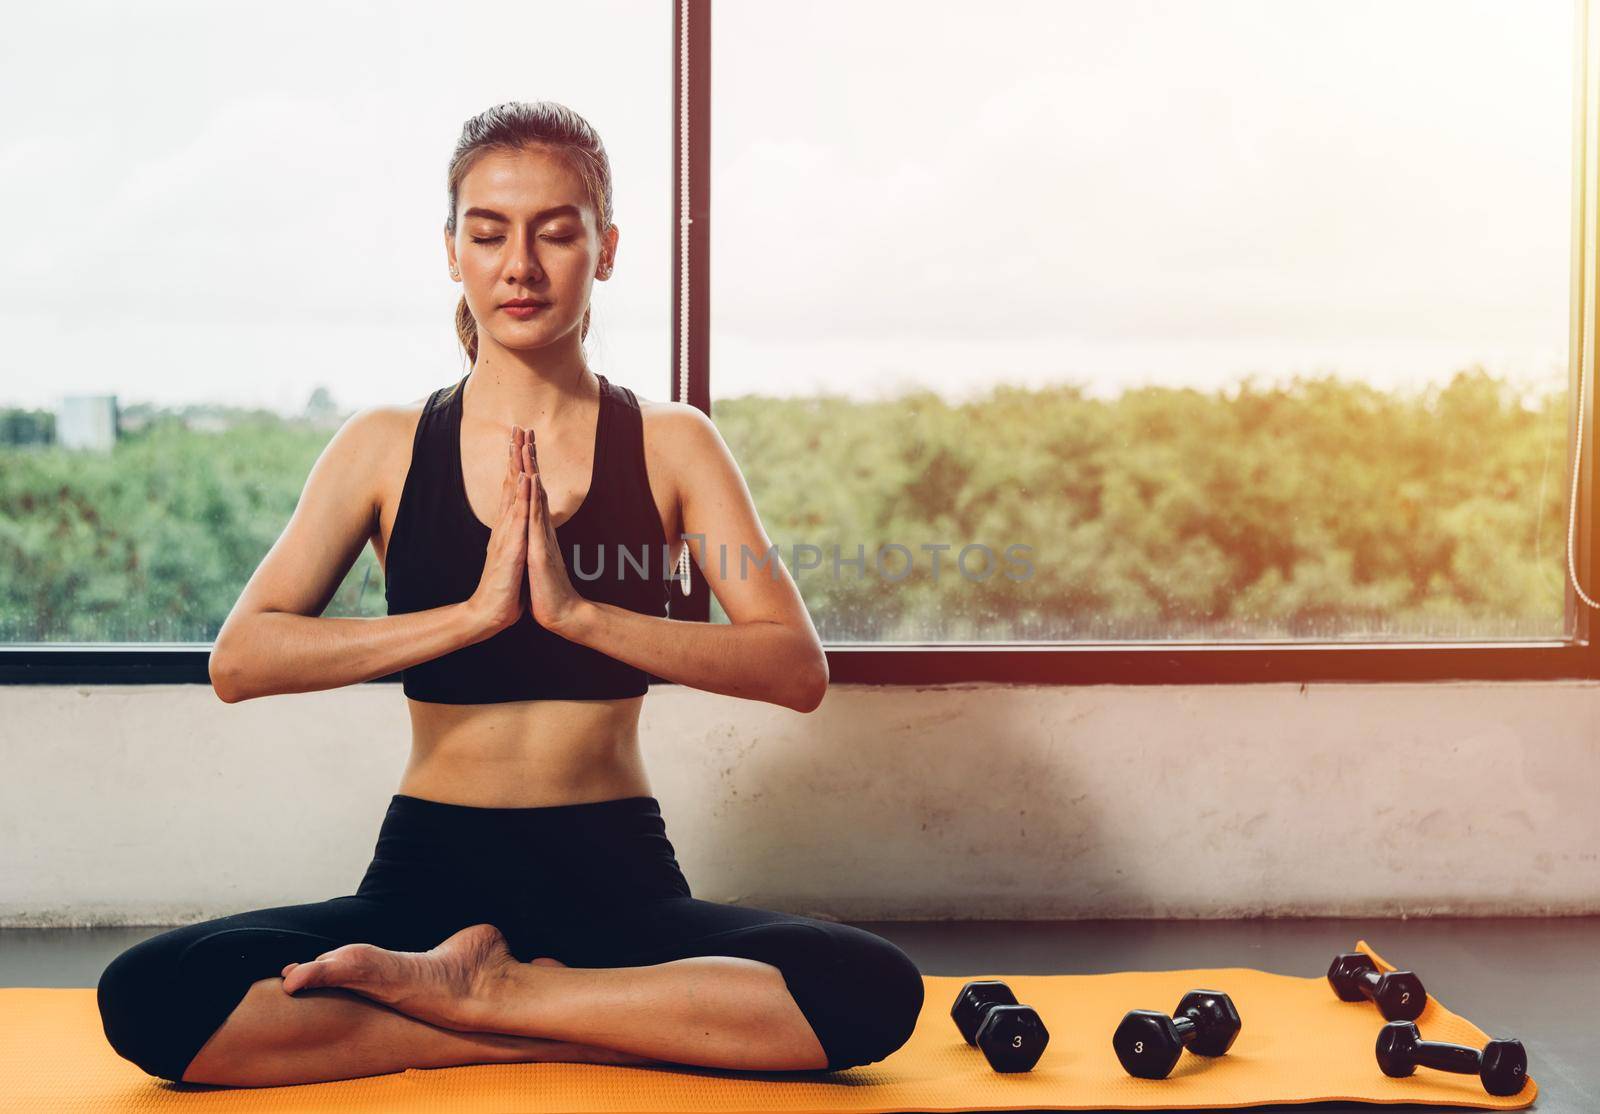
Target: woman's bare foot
x,y
436,986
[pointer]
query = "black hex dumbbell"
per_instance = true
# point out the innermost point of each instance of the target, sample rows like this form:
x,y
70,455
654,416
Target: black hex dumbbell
x,y
1149,1042
1011,1036
1398,994
1502,1065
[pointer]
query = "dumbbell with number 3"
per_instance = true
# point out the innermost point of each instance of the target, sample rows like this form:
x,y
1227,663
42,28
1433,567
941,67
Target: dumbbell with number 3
x,y
1011,1036
1398,994
1149,1042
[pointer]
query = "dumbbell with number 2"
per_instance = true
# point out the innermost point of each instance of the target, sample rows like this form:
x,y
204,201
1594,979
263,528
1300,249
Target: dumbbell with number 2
x,y
1502,1065
1398,995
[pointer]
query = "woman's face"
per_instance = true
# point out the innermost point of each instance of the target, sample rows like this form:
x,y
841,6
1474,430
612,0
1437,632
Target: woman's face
x,y
525,228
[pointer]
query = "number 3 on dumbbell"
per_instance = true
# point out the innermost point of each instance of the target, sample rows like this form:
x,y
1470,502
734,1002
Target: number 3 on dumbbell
x,y
1011,1036
1149,1043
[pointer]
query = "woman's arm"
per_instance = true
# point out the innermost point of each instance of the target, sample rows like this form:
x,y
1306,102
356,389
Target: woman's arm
x,y
275,639
769,649
759,659
272,652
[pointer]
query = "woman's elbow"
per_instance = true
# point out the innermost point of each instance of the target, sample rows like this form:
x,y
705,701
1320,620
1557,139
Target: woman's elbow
x,y
811,685
222,677
222,667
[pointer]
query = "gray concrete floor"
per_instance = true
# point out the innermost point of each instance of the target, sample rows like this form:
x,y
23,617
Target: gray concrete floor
x,y
1531,979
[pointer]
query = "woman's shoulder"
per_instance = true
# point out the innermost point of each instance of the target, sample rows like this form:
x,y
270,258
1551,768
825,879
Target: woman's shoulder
x,y
663,418
674,436
389,427
674,432
681,441
381,437
387,435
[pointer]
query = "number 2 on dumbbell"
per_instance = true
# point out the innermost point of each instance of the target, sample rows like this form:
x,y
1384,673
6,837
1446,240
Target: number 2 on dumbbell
x,y
1501,1065
1398,994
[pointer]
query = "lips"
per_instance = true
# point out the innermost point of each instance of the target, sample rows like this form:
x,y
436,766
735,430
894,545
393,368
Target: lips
x,y
523,303
524,311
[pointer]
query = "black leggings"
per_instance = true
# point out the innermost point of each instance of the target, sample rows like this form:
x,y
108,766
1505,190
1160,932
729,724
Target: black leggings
x,y
593,885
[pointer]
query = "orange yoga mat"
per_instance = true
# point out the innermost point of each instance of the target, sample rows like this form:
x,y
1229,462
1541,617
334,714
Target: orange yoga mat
x,y
1299,1044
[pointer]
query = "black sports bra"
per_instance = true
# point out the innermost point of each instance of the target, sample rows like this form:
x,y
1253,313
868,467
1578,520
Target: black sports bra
x,y
613,545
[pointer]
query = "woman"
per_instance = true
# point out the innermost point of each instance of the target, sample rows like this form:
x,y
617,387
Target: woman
x,y
524,901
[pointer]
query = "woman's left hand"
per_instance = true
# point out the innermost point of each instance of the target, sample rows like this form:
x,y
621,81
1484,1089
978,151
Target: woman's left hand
x,y
552,598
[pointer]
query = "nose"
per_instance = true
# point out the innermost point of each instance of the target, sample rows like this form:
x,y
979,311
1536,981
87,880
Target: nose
x,y
522,262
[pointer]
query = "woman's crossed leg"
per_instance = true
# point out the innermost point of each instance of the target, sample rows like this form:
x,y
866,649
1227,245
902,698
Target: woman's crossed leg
x,y
205,1003
678,980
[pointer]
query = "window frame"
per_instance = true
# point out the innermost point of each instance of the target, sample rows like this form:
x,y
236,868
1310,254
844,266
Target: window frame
x,y
1031,663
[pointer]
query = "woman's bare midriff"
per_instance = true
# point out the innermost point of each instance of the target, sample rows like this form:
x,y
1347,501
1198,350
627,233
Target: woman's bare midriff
x,y
526,753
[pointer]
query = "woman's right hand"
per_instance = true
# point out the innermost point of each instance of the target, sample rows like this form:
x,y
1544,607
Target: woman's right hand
x,y
502,595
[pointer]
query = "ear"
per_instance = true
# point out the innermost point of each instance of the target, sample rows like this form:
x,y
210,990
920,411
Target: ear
x,y
608,246
450,252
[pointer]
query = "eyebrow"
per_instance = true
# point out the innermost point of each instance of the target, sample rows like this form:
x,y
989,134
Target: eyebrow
x,y
490,214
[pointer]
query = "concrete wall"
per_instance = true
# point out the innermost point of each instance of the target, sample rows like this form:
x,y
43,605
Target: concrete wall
x,y
161,805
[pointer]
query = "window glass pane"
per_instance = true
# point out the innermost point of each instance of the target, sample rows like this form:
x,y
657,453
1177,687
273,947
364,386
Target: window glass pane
x,y
229,238
1249,320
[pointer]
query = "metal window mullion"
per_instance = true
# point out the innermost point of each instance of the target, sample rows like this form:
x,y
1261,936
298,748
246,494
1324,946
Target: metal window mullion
x,y
691,238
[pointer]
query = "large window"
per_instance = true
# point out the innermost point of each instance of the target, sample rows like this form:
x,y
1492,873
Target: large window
x,y
1183,326
1241,320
